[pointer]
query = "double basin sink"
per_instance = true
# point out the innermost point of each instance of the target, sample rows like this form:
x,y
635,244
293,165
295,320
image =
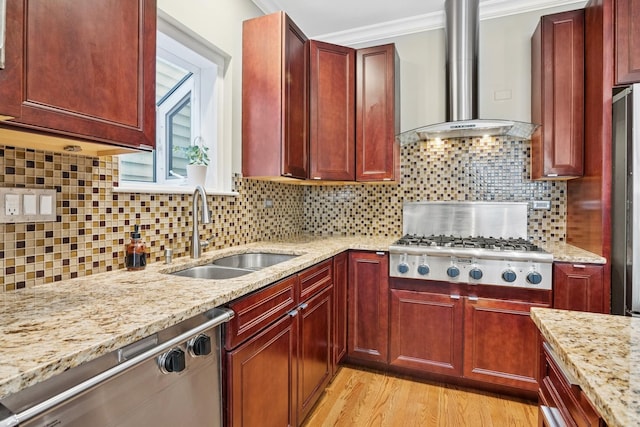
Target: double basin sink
x,y
234,266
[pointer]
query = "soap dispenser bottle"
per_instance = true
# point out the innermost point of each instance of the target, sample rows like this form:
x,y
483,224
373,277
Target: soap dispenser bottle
x,y
136,255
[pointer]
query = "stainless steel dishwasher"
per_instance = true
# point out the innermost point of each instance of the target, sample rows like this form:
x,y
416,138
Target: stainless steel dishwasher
x,y
171,378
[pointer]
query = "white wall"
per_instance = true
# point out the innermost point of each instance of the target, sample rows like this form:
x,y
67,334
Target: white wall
x,y
220,23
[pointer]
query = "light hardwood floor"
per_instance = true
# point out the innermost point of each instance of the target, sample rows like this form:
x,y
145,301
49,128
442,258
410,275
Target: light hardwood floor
x,y
361,398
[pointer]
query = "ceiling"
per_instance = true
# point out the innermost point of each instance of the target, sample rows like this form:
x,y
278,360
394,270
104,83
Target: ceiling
x,y
359,21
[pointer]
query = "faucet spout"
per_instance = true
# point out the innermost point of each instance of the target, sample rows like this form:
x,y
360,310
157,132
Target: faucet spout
x,y
198,193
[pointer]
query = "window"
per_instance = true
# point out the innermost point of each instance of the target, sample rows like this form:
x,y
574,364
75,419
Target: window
x,y
189,86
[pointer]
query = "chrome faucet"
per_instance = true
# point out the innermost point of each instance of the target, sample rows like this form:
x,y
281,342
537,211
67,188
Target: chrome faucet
x,y
195,234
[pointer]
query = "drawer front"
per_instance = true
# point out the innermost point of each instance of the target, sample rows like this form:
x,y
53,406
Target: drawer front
x,y
569,399
256,311
315,279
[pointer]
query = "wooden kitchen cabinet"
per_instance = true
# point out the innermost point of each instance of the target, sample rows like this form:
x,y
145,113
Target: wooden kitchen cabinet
x,y
557,96
561,401
579,287
332,112
80,69
368,317
627,41
426,331
340,307
275,66
279,349
501,343
377,113
261,375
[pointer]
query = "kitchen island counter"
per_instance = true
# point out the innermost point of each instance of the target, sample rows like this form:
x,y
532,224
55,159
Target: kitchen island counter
x,y
602,352
50,328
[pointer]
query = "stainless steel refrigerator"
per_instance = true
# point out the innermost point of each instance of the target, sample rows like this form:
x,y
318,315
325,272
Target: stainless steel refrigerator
x,y
625,214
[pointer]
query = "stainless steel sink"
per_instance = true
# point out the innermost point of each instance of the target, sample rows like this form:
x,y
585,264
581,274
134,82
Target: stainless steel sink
x,y
234,266
253,261
214,272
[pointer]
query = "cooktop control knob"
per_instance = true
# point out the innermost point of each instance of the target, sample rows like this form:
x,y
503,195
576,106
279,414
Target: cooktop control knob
x,y
475,273
403,268
200,345
534,278
172,361
453,271
423,269
509,276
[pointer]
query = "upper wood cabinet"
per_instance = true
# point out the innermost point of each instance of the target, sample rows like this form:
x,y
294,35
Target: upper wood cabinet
x,y
275,114
557,96
81,69
377,114
579,287
332,112
627,41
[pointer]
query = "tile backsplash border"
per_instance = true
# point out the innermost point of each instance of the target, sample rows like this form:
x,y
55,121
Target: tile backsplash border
x,y
93,223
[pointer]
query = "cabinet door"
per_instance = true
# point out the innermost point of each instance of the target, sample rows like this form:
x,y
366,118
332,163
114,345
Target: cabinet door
x,y
627,41
557,96
332,112
579,287
87,70
11,86
314,350
501,343
368,306
377,115
426,331
274,98
261,378
340,308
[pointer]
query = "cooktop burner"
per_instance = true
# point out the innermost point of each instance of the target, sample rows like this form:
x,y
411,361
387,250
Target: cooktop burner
x,y
487,243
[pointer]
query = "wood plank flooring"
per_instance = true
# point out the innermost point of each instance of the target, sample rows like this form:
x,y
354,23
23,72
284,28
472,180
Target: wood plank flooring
x,y
361,398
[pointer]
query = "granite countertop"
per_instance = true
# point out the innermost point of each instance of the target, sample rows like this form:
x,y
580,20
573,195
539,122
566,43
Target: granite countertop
x,y
602,352
563,252
50,328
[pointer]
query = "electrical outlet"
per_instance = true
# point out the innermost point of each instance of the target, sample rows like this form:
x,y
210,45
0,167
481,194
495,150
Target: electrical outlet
x,y
542,204
12,204
268,203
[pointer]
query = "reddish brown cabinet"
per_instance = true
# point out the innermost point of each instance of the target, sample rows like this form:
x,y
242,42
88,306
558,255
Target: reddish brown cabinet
x,y
63,75
579,287
501,343
627,41
275,66
368,324
377,113
279,349
561,400
426,331
340,307
557,96
332,112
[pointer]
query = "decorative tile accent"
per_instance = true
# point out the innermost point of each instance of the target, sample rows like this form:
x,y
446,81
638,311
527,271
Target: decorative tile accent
x,y
495,169
94,223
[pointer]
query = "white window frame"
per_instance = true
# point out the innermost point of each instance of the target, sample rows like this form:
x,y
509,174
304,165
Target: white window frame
x,y
211,79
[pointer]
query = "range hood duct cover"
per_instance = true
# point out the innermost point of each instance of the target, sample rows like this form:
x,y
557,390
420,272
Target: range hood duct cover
x,y
462,28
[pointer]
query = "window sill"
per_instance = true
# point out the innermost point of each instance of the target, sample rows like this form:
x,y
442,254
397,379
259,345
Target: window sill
x,y
169,189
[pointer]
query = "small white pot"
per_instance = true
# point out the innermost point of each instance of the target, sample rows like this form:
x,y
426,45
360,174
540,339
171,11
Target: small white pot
x,y
196,174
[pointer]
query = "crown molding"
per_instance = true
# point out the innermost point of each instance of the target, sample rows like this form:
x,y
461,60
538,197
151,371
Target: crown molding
x,y
489,9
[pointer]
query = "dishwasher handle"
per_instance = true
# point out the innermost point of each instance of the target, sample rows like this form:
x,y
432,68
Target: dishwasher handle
x,y
221,315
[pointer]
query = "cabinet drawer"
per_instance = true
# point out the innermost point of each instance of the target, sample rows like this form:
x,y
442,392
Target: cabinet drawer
x,y
315,279
258,310
569,399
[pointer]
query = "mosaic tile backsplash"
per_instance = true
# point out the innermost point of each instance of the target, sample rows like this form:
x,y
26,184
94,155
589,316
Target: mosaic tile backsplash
x,y
94,223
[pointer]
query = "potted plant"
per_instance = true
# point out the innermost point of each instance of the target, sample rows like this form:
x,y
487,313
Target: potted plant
x,y
198,158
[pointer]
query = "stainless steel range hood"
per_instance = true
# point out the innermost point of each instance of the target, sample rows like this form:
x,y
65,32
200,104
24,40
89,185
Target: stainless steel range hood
x,y
461,34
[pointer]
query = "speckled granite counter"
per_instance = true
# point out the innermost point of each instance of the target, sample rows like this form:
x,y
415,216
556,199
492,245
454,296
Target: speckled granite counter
x,y
50,328
603,354
563,252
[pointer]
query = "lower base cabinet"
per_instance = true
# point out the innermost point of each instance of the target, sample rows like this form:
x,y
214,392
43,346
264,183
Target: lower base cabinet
x,y
486,340
278,355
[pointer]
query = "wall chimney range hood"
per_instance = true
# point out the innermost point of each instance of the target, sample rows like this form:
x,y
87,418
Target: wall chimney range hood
x,y
461,35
